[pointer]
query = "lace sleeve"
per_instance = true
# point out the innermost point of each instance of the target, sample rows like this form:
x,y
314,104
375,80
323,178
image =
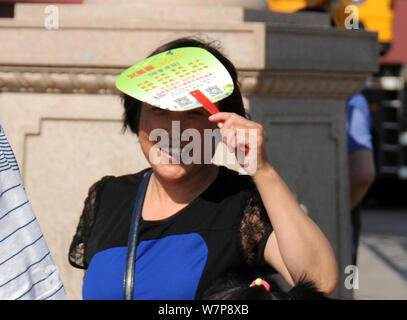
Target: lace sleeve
x,y
78,244
255,228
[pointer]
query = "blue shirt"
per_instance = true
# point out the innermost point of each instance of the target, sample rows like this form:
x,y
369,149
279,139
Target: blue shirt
x,y
177,258
358,123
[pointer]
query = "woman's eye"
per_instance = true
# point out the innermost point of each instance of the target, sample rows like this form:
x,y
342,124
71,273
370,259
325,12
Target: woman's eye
x,y
158,111
196,112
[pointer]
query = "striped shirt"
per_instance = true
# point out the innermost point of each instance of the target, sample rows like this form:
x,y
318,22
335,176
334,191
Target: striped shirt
x,y
27,270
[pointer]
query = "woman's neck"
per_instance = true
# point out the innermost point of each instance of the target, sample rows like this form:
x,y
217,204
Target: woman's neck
x,y
184,190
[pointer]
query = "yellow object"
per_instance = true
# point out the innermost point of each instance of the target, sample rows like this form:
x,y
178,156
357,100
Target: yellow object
x,y
376,15
293,5
258,281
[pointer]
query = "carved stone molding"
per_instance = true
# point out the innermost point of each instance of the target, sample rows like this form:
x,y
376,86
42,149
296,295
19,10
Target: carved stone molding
x,y
102,81
58,80
304,84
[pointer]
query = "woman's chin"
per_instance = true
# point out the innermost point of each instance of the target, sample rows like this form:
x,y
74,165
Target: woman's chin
x,y
169,167
171,171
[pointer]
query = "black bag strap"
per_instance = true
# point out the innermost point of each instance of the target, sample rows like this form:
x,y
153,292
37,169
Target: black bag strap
x,y
133,236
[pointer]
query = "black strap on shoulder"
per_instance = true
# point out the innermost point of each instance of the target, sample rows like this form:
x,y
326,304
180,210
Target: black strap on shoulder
x,y
133,235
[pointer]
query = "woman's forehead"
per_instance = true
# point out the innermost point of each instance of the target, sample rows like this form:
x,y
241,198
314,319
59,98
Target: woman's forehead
x,y
150,106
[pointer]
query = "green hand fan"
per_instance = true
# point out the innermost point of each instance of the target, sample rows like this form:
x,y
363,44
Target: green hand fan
x,y
178,80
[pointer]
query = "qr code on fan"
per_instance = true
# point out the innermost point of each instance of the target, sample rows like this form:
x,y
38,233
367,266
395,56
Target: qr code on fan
x,y
183,101
214,91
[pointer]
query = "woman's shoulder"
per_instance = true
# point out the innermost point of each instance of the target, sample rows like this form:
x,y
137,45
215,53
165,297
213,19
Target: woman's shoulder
x,y
123,181
254,224
103,197
237,182
131,178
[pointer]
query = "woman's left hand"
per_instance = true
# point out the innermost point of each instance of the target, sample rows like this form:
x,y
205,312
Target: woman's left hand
x,y
239,132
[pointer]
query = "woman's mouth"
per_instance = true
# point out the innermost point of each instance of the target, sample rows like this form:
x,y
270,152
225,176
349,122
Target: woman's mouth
x,y
173,154
176,154
172,151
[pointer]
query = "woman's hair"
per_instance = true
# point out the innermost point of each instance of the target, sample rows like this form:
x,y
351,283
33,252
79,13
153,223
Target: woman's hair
x,y
236,286
233,103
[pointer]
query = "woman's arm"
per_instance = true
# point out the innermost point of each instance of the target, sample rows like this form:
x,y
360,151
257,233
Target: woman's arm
x,y
361,174
296,247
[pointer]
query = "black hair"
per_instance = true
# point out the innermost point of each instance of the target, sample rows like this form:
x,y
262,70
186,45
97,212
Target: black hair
x,y
233,103
236,286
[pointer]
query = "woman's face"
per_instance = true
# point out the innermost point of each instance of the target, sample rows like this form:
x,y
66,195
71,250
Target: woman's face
x,y
174,141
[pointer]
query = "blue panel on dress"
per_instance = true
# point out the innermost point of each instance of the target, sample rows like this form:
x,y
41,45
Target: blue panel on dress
x,y
168,268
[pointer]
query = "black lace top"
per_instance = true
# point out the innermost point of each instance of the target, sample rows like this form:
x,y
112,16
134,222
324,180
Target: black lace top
x,y
225,228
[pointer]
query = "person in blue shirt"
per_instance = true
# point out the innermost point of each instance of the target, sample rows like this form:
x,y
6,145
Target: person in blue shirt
x,y
361,162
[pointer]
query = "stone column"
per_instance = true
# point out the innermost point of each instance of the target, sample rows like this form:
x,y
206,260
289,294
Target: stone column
x,y
299,97
61,111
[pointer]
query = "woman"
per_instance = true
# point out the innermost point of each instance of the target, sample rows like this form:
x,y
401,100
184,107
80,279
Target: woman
x,y
198,221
